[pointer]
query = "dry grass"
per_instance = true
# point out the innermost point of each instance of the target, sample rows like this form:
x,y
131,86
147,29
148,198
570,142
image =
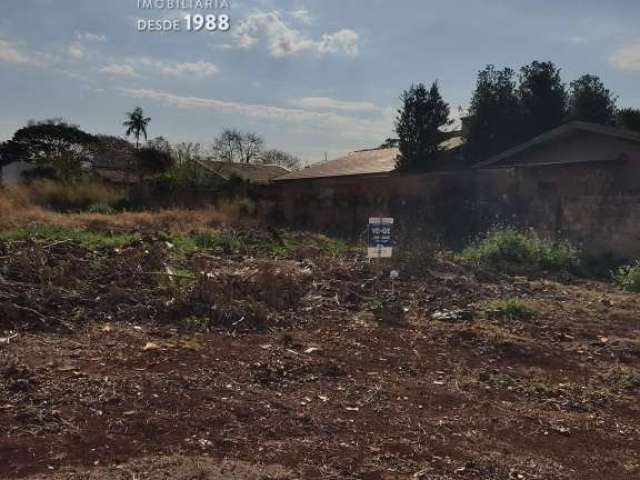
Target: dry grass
x,y
18,209
78,196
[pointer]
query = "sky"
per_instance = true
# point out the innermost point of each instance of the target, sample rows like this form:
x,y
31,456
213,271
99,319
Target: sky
x,y
314,78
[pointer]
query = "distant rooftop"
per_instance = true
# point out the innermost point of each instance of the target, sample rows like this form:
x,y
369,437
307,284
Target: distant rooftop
x,y
247,171
360,162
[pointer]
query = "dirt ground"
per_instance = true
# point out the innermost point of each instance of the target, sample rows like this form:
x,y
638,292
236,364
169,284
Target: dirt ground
x,y
308,367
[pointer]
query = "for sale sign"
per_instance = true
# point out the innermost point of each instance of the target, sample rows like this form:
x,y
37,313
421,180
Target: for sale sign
x,y
379,237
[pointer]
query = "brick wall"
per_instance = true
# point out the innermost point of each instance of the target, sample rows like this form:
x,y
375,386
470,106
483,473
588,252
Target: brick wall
x,y
594,205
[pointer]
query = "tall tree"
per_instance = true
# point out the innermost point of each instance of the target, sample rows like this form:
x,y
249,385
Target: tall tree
x,y
418,125
136,124
160,144
53,145
591,101
629,118
494,119
186,152
278,157
543,97
233,145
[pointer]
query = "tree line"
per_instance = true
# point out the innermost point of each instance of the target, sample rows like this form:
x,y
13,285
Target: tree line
x,y
63,151
505,109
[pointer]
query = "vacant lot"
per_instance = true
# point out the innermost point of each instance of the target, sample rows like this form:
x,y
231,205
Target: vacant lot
x,y
260,354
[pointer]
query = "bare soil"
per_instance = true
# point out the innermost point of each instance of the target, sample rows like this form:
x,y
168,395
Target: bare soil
x,y
309,367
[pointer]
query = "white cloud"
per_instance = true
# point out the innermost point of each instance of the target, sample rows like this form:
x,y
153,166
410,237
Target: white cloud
x,y
282,40
119,69
9,52
200,69
366,130
345,40
301,15
77,49
327,103
91,37
627,58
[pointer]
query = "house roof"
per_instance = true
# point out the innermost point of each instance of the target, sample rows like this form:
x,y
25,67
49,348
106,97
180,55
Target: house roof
x,y
359,162
247,171
565,130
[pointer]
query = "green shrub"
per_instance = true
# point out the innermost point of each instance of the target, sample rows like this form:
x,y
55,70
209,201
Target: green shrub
x,y
512,308
100,207
628,277
510,247
227,242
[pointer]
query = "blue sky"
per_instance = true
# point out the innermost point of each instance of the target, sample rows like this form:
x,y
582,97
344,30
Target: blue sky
x,y
310,76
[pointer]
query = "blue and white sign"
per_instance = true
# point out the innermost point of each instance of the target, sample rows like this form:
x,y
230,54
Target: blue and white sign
x,y
379,237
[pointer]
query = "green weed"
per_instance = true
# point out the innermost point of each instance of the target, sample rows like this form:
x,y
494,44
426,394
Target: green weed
x,y
628,277
508,248
87,238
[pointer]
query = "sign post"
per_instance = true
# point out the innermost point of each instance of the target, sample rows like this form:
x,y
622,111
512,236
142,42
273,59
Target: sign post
x,y
379,237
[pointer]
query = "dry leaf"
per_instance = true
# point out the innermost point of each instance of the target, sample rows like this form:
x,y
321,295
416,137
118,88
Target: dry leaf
x,y
151,346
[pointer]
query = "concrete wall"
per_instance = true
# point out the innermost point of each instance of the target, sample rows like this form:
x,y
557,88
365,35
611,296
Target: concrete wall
x,y
596,205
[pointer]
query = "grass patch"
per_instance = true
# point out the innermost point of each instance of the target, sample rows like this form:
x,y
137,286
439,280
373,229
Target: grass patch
x,y
628,277
508,248
623,379
220,241
274,245
512,308
87,238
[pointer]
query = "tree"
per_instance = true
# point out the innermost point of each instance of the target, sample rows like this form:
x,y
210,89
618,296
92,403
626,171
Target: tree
x,y
629,118
186,152
494,119
236,146
278,157
543,97
591,101
418,125
152,160
50,145
161,144
136,124
112,151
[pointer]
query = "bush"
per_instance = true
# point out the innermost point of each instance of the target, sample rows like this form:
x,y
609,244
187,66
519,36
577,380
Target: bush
x,y
509,247
100,207
628,277
68,197
512,308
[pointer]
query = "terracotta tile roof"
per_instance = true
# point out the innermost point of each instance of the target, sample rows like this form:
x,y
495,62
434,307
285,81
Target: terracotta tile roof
x,y
247,171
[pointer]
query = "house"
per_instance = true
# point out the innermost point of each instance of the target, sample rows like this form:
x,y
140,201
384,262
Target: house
x,y
579,180
571,143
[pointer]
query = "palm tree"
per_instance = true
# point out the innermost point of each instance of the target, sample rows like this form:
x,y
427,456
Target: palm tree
x,y
136,124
